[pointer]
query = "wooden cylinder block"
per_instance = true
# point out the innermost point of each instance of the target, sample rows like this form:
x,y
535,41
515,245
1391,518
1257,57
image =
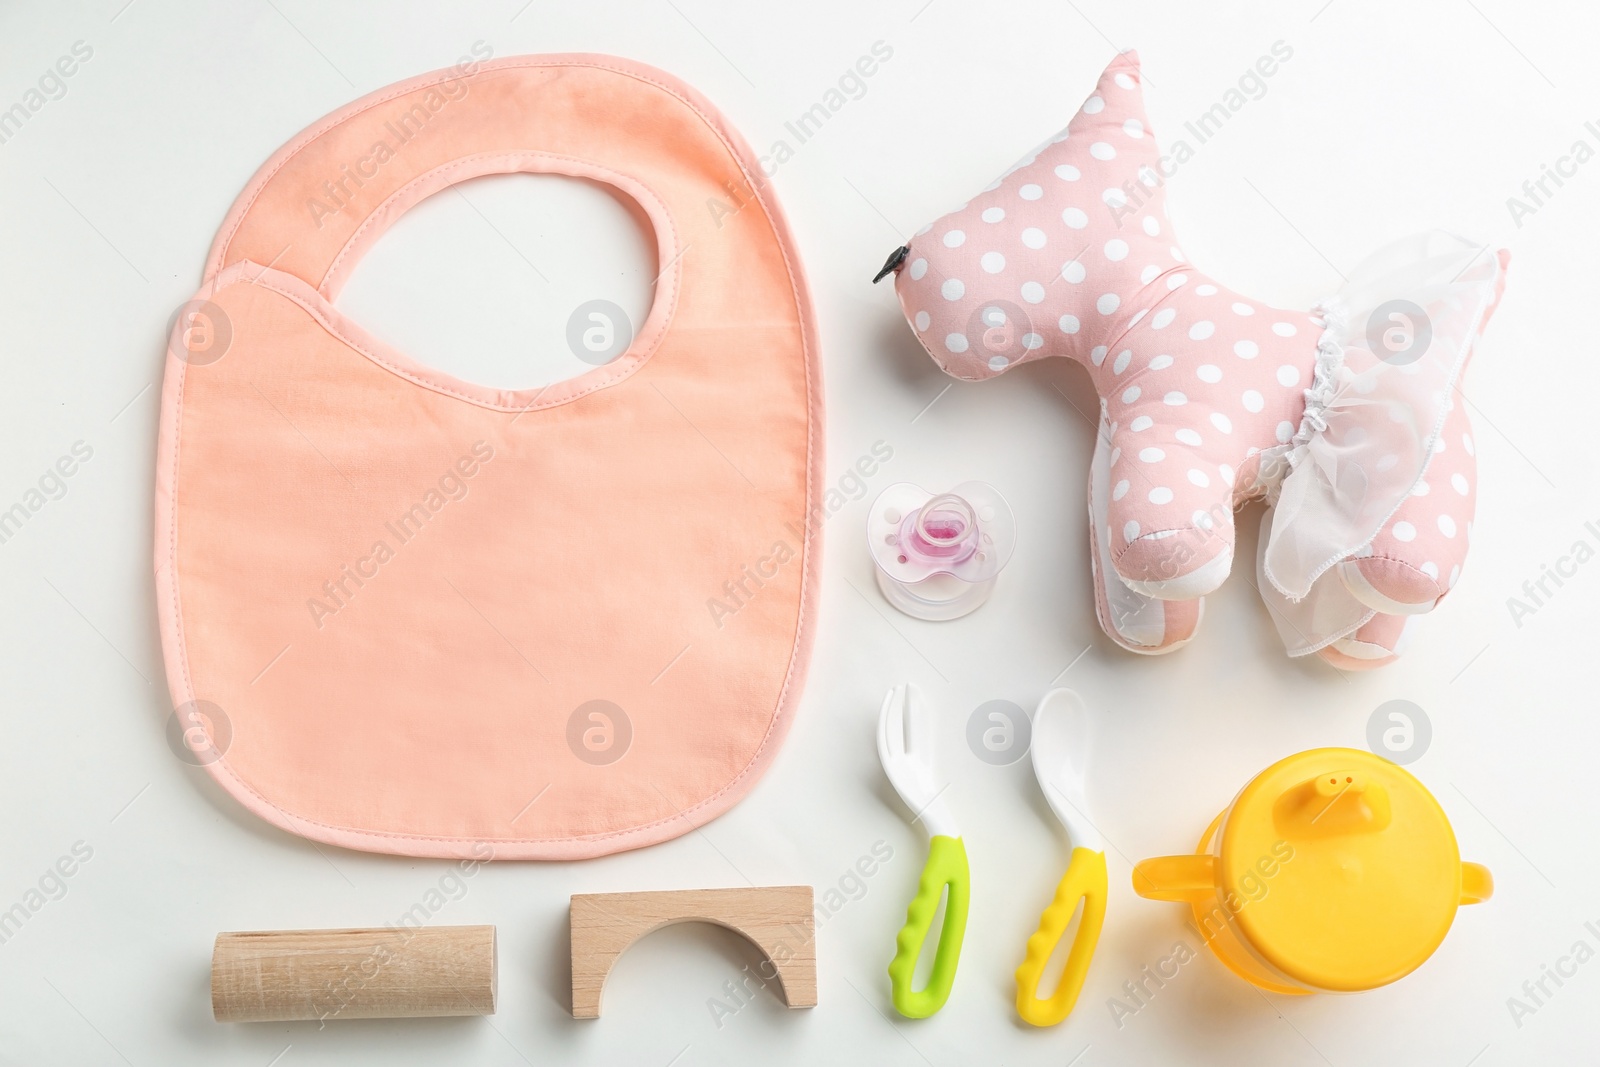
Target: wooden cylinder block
x,y
287,975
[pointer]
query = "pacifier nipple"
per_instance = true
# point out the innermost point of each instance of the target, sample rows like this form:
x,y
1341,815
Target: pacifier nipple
x,y
938,556
945,528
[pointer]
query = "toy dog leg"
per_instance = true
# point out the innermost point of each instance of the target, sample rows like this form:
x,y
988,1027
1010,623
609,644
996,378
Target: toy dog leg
x,y
1378,642
1170,512
1134,620
1418,555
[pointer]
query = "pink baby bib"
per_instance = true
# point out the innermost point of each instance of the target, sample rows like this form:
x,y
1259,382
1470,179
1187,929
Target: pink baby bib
x,y
410,614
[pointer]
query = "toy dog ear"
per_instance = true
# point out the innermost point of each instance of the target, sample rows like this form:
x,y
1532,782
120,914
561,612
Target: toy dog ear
x,y
1109,142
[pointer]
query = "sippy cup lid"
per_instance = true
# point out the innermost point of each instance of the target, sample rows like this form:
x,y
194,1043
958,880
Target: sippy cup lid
x,y
1344,868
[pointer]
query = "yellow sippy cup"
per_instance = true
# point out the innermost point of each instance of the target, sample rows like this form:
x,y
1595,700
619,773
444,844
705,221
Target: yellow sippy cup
x,y
1333,870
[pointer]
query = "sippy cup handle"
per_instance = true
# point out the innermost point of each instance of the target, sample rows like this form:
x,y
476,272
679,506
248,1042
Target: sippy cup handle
x,y
1182,879
1477,884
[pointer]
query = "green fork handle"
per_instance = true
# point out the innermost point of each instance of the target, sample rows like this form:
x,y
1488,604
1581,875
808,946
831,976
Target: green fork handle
x,y
946,869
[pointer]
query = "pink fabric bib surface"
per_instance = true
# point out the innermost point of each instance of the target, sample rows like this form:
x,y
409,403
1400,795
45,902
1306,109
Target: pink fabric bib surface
x,y
415,615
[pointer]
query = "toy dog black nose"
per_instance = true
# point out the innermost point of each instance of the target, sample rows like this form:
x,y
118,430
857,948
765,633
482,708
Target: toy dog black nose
x,y
892,264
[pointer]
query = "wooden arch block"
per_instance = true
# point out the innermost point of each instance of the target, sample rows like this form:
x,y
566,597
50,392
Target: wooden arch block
x,y
778,920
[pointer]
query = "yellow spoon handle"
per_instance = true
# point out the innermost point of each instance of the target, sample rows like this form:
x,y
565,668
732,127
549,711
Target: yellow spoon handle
x,y
1085,880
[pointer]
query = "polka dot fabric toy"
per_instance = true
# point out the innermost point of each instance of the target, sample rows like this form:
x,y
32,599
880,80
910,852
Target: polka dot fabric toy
x,y
1342,418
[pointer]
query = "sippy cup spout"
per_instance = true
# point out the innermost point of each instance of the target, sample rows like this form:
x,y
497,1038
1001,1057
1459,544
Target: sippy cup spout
x,y
1334,802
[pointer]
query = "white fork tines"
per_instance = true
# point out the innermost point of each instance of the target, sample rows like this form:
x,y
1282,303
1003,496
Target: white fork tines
x,y
905,748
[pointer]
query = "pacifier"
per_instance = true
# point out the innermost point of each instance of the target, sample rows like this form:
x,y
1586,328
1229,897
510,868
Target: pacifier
x,y
938,556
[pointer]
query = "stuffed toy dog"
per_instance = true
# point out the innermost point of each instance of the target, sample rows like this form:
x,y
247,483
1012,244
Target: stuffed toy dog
x,y
1341,418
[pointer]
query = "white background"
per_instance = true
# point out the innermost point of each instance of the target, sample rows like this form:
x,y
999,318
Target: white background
x,y
1388,119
